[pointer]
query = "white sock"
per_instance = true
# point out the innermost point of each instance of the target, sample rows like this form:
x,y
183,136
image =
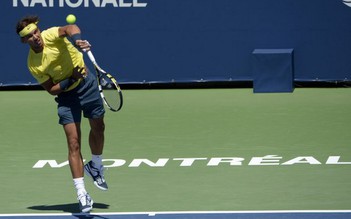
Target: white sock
x,y
97,160
79,185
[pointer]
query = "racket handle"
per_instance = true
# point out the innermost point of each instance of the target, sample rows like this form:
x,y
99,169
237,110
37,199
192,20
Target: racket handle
x,y
91,57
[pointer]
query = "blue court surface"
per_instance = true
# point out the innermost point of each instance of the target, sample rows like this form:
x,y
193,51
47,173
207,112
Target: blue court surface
x,y
346,214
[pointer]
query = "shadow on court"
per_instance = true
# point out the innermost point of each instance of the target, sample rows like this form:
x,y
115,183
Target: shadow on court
x,y
69,208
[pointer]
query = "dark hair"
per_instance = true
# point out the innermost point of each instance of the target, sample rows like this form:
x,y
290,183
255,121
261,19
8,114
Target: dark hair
x,y
25,21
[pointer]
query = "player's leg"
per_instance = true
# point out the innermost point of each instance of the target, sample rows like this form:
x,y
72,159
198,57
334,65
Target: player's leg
x,y
73,135
96,135
70,117
93,109
69,111
96,140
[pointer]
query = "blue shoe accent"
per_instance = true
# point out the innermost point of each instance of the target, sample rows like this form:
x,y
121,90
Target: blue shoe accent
x,y
96,174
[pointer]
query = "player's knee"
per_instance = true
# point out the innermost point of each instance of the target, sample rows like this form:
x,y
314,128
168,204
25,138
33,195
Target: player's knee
x,y
73,146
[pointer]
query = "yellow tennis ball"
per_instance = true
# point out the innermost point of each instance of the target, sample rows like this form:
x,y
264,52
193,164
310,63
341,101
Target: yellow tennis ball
x,y
71,19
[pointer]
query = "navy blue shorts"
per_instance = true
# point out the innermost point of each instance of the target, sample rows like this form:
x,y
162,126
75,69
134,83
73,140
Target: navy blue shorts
x,y
84,98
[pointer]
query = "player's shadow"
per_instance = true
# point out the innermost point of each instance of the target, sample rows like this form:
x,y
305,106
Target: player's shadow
x,y
70,208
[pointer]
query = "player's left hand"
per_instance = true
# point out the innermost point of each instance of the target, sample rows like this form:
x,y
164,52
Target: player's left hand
x,y
79,72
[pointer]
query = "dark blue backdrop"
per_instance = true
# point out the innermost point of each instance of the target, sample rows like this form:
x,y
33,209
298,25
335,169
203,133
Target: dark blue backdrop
x,y
191,40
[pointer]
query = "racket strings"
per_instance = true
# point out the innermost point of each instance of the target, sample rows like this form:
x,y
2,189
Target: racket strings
x,y
111,93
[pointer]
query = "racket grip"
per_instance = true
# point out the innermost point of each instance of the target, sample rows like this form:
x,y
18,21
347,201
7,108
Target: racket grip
x,y
91,57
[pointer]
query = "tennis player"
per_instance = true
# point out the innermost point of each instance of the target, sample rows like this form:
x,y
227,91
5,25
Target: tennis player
x,y
59,67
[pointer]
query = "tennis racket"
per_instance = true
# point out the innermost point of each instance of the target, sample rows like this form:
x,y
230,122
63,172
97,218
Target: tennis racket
x,y
109,89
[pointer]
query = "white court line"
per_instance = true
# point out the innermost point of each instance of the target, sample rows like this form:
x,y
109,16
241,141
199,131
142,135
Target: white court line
x,y
175,212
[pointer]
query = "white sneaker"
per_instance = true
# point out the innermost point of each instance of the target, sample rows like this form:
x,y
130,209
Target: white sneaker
x,y
85,202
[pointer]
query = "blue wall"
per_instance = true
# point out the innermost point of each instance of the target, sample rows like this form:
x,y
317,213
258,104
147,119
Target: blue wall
x,y
190,40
